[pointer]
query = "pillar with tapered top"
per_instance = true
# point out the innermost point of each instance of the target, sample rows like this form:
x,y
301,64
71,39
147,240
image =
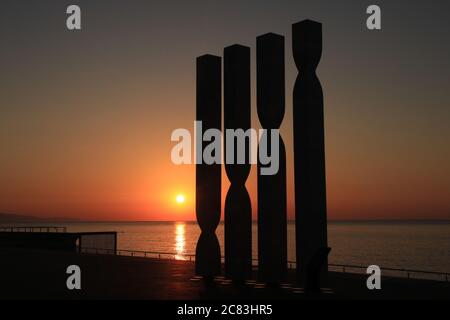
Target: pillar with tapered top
x,y
208,176
238,210
309,155
272,224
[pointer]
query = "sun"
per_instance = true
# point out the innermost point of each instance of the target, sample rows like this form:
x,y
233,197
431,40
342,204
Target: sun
x,y
180,198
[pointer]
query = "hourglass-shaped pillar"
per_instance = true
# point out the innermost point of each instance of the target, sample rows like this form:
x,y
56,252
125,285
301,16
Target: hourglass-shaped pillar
x,y
208,176
309,154
238,209
272,224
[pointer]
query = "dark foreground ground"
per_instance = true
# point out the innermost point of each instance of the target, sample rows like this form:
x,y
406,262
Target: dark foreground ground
x,y
42,275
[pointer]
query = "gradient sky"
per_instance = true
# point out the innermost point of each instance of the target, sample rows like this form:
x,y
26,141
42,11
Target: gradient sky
x,y
86,116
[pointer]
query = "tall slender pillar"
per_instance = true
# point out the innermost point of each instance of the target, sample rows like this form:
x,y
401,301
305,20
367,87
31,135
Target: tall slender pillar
x,y
272,224
208,176
238,210
309,155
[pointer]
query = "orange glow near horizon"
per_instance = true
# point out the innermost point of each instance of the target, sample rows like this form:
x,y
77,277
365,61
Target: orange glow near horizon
x,y
86,119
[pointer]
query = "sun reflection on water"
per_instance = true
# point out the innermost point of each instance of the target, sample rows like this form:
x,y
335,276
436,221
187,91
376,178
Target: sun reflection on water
x,y
180,241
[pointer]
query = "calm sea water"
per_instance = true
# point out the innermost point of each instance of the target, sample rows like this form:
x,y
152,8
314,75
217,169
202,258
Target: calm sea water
x,y
422,246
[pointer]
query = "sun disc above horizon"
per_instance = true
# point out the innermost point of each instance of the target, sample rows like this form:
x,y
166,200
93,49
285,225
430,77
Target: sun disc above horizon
x,y
180,198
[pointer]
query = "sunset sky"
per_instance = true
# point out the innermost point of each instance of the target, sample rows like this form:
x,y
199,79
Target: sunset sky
x,y
86,116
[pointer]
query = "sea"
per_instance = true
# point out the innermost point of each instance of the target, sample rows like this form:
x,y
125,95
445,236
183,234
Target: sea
x,y
406,245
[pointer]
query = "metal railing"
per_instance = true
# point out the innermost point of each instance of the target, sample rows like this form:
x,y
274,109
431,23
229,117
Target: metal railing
x,y
33,229
406,273
344,268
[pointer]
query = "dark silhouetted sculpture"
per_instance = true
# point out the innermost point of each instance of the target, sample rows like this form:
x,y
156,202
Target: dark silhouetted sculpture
x,y
272,225
309,161
208,176
309,150
238,209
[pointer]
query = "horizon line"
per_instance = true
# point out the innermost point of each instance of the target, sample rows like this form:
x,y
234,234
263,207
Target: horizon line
x,y
75,220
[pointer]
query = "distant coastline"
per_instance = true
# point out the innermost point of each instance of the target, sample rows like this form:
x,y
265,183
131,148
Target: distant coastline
x,y
19,218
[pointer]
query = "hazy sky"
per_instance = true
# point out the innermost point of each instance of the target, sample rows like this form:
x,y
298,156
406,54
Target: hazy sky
x,y
86,116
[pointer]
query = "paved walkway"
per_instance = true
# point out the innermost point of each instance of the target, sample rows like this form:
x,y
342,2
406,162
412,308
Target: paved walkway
x,y
42,275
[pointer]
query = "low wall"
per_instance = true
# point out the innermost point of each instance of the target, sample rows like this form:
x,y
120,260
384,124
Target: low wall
x,y
39,240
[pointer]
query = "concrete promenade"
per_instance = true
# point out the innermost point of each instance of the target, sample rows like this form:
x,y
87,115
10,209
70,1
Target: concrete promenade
x,y
26,274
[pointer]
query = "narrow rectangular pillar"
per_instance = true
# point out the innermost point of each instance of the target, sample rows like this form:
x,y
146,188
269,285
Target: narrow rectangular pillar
x,y
272,224
208,176
238,209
